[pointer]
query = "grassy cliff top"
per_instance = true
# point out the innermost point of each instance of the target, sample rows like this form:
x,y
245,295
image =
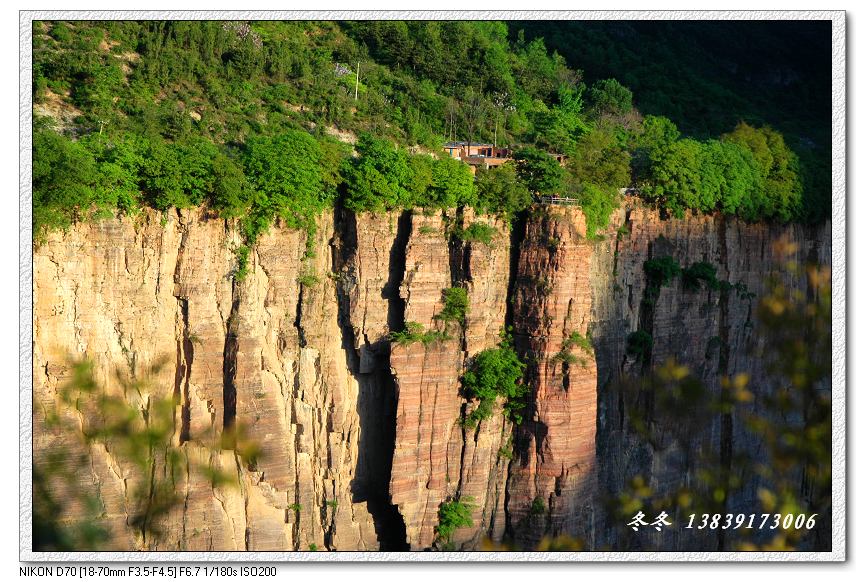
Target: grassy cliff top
x,y
260,119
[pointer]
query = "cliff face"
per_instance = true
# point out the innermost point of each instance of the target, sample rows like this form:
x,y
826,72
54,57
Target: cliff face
x,y
552,485
360,437
712,332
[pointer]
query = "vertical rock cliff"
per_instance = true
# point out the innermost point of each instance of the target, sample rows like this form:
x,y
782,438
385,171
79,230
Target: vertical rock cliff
x,y
552,482
361,437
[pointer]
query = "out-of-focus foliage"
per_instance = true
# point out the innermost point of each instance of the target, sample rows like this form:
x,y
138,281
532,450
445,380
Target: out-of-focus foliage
x,y
140,431
560,543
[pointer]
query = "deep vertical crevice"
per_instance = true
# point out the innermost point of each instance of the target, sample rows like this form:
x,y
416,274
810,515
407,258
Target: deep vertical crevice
x,y
377,390
725,445
457,250
389,524
518,235
229,367
396,271
186,351
298,318
646,323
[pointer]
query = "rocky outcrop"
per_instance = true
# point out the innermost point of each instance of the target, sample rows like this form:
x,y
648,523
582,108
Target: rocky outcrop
x,y
436,459
552,483
264,355
361,439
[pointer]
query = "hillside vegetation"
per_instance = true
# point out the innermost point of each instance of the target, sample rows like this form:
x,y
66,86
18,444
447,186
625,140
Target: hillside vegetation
x,y
268,120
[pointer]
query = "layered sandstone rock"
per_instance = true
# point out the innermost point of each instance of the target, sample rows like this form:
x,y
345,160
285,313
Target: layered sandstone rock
x,y
264,354
551,488
361,439
436,459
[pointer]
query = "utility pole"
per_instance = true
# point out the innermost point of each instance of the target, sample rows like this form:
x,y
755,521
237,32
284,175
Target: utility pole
x,y
357,81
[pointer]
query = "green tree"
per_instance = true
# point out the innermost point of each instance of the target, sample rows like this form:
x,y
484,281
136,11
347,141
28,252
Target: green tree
x,y
561,126
779,168
419,187
539,171
675,178
285,171
452,516
597,203
733,172
601,158
499,191
65,177
456,304
96,89
452,184
654,137
232,194
378,178
611,97
119,164
178,174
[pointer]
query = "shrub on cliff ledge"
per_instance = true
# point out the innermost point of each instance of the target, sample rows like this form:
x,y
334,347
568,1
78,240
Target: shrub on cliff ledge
x,y
414,332
639,344
477,232
701,271
539,506
661,271
456,301
576,339
242,255
452,515
493,373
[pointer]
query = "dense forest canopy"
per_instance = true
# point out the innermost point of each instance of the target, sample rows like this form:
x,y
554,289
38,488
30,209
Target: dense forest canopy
x,y
252,119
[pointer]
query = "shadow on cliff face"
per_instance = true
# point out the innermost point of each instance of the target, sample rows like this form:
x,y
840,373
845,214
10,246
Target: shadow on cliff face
x,y
376,400
376,406
396,271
